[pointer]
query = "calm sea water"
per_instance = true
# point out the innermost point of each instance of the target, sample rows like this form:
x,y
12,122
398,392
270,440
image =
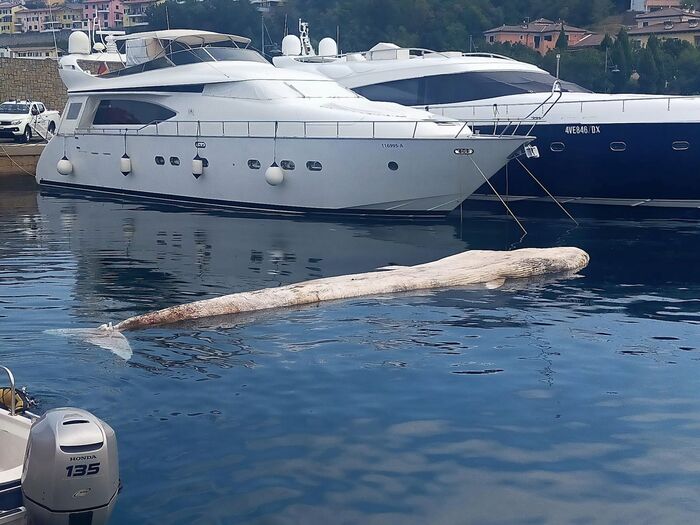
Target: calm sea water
x,y
559,401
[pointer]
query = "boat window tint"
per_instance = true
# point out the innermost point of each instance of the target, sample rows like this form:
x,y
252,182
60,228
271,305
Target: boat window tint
x,y
407,92
160,160
74,110
235,54
287,165
681,145
158,63
314,165
174,161
461,87
618,146
190,56
254,164
123,111
393,166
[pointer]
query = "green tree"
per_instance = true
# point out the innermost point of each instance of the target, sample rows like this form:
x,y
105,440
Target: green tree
x,y
563,40
648,72
654,47
622,58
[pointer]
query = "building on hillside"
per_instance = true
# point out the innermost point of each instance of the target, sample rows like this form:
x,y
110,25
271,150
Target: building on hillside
x,y
49,18
104,14
135,11
646,6
591,40
34,44
688,31
8,17
265,5
540,35
671,14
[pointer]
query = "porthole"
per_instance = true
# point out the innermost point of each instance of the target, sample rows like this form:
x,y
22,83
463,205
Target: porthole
x,y
160,161
681,145
287,165
314,165
618,146
393,166
254,164
205,162
557,147
174,161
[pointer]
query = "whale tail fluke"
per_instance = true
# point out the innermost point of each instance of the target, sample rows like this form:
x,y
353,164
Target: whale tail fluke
x,y
104,337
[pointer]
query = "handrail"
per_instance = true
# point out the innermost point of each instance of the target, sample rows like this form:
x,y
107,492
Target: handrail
x,y
12,389
392,129
614,100
423,52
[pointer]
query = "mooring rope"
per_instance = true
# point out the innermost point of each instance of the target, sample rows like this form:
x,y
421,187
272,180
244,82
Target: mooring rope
x,y
13,161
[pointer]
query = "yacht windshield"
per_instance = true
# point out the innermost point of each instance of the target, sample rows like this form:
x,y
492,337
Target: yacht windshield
x,y
179,55
14,109
463,87
214,54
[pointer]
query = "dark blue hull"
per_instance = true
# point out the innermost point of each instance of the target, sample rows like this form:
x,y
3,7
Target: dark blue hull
x,y
630,162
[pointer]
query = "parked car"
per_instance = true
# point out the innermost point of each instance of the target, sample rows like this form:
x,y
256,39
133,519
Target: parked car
x,y
22,119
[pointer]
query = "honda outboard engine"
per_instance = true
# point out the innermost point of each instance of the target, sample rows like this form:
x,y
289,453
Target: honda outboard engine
x,y
71,469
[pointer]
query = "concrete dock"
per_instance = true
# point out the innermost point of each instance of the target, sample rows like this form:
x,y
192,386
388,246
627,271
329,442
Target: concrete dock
x,y
19,159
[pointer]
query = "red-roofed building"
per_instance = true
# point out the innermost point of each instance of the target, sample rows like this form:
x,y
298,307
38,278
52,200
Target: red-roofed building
x,y
541,34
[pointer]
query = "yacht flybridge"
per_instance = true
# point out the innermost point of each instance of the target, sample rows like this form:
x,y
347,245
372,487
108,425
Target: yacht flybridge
x,y
593,148
195,116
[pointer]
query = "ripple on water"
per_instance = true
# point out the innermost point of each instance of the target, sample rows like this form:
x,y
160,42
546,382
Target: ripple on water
x,y
565,401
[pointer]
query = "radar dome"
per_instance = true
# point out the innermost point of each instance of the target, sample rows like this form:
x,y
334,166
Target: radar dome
x,y
327,47
78,43
291,46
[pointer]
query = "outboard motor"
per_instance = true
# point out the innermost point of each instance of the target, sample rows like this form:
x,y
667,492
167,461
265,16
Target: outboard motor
x,y
71,469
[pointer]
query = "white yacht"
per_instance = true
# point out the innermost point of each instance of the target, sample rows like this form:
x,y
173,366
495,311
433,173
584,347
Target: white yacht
x,y
61,468
639,150
195,116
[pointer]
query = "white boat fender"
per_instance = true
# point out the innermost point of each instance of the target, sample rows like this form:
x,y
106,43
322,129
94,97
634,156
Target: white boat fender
x,y
71,469
125,165
197,166
274,175
64,166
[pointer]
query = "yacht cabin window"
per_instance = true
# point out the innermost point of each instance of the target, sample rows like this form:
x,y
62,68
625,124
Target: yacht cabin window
x,y
74,110
462,87
130,112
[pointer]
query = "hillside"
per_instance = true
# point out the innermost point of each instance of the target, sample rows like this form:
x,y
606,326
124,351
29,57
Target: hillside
x,y
663,67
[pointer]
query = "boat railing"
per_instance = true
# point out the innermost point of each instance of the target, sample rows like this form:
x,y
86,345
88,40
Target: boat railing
x,y
615,103
12,389
397,53
378,129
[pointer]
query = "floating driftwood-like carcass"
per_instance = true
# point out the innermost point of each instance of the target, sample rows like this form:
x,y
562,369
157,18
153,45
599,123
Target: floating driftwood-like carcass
x,y
490,268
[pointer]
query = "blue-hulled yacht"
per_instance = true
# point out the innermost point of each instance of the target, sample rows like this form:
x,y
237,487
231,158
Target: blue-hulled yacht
x,y
635,150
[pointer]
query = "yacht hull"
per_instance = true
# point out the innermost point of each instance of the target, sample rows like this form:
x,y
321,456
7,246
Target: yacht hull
x,y
632,164
329,175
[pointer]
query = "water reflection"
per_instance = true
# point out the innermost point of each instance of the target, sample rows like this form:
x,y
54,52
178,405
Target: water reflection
x,y
565,401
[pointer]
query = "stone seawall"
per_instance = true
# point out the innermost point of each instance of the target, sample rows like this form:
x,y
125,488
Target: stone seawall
x,y
33,80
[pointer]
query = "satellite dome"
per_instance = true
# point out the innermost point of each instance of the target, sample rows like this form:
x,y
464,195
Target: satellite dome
x,y
291,46
78,43
327,47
